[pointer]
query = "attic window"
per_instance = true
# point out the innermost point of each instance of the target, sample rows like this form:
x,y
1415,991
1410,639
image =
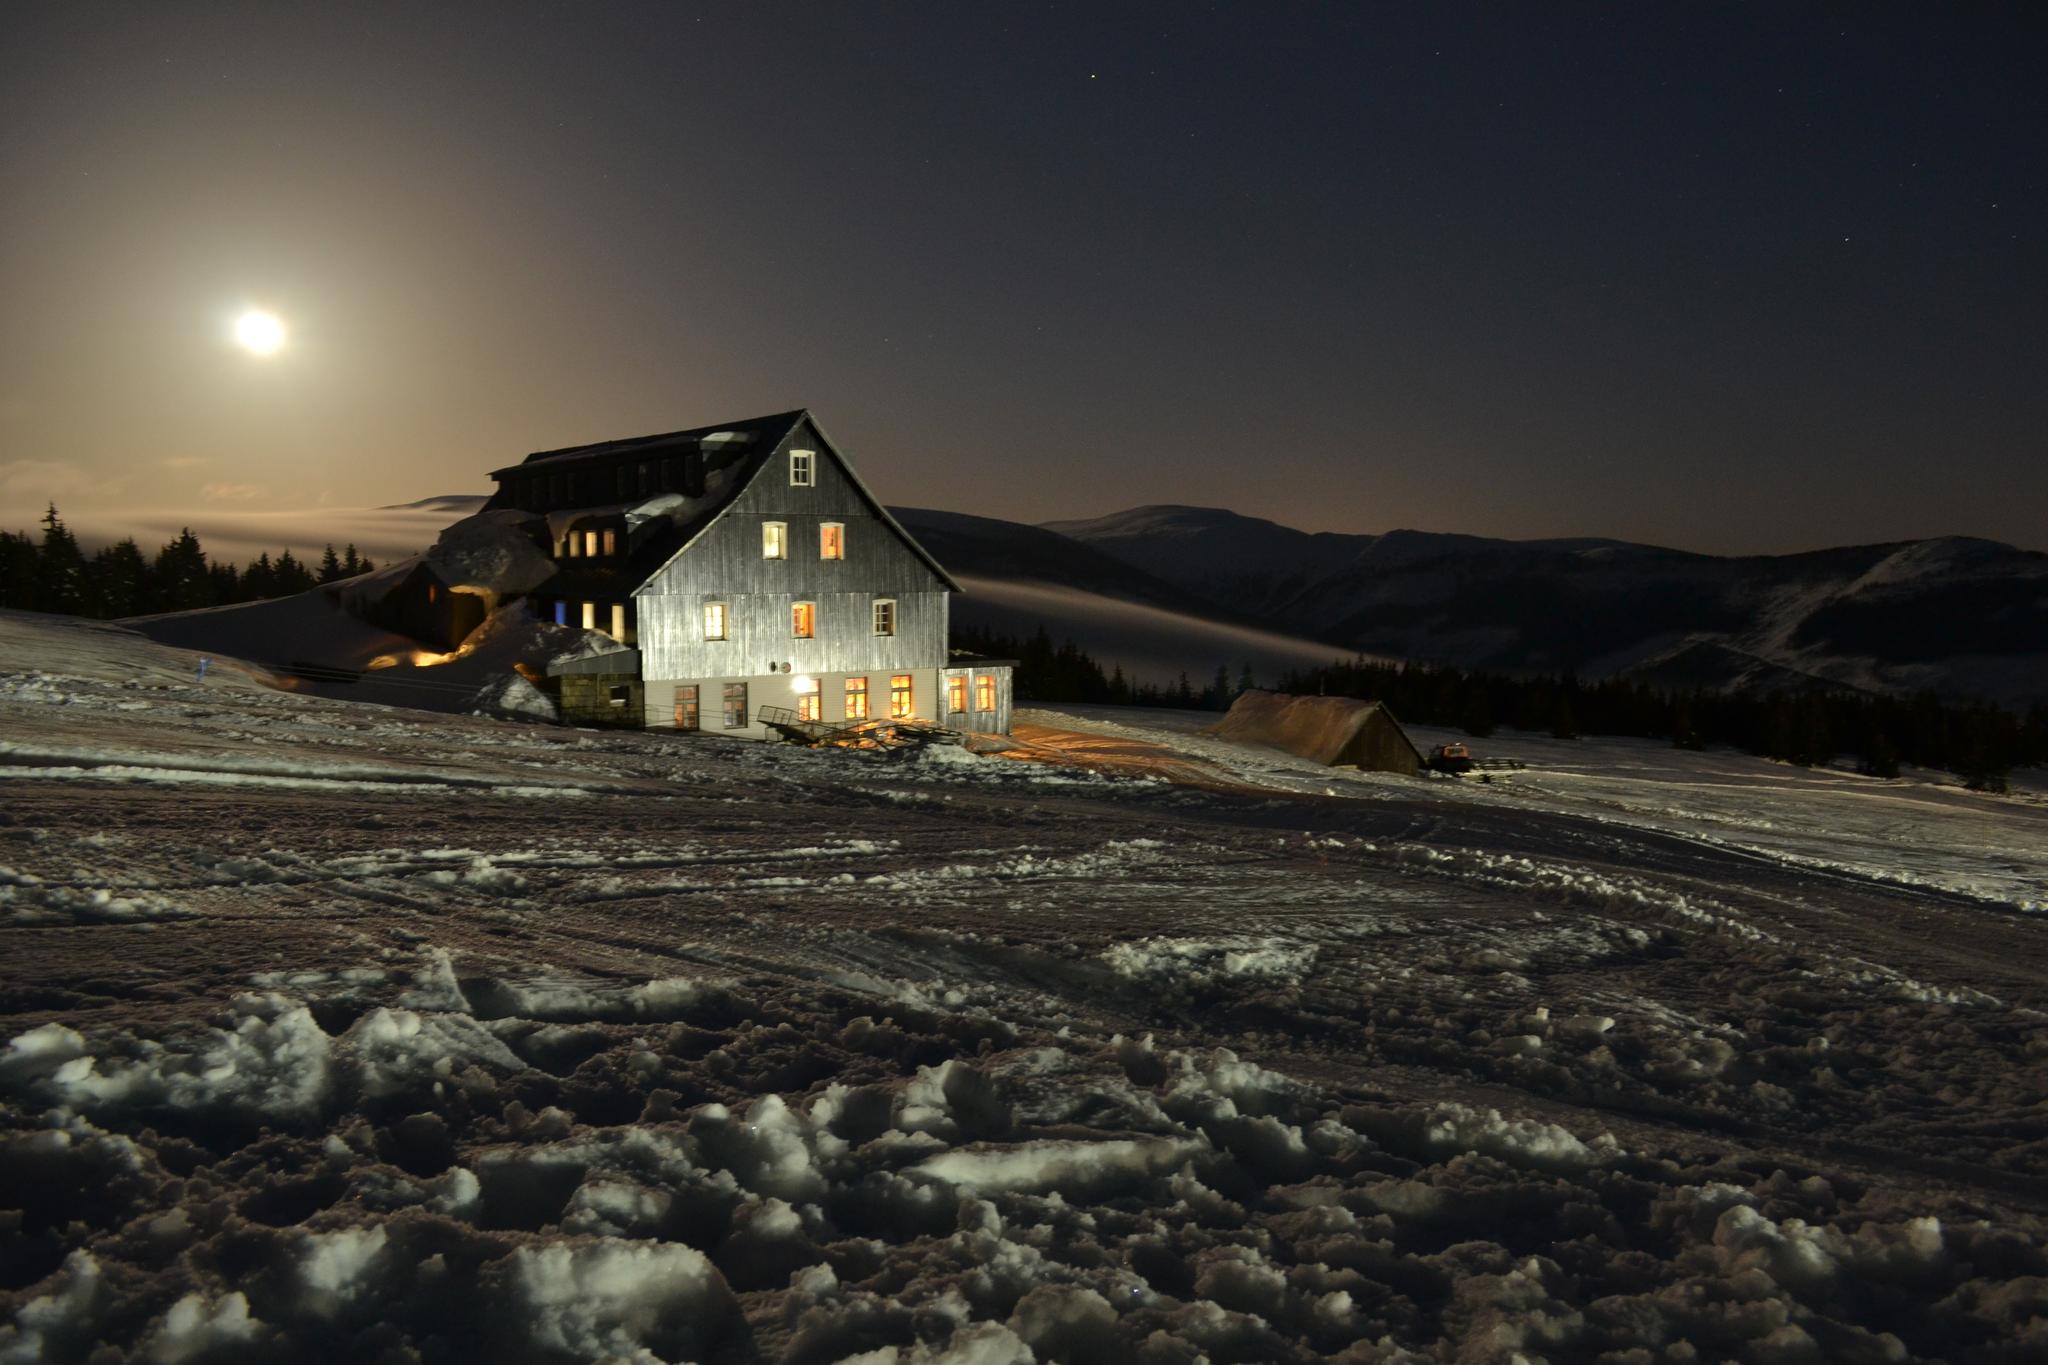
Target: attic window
x,y
714,620
611,542
885,616
774,540
590,544
801,464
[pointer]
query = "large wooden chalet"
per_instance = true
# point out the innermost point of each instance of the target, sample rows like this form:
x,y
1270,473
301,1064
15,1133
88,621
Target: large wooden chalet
x,y
746,568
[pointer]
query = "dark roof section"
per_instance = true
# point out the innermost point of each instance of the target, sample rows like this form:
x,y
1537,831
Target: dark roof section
x,y
729,467
764,430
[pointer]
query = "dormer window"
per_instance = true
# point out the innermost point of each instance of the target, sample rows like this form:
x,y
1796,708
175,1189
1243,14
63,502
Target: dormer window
x,y
802,464
774,540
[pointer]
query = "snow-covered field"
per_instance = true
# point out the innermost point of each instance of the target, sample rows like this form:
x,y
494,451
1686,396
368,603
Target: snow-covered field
x,y
341,1032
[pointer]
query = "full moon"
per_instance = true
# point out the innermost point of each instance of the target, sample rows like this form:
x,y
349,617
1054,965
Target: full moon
x,y
259,333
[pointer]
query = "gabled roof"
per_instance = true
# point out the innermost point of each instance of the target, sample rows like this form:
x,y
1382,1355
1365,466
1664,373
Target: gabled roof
x,y
663,527
1321,729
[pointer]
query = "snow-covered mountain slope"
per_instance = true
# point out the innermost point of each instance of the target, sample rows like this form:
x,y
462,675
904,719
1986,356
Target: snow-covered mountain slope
x,y
1963,617
330,1031
1150,644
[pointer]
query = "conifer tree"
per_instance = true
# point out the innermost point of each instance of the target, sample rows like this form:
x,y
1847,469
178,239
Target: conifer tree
x,y
182,579
17,571
290,575
60,568
330,564
259,580
120,581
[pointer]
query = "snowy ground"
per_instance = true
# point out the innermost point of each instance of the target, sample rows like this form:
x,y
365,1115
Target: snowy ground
x,y
339,1032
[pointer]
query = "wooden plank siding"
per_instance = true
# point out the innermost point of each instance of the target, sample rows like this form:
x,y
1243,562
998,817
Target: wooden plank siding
x,y
725,563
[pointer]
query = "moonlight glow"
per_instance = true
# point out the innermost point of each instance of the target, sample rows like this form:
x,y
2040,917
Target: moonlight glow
x,y
259,333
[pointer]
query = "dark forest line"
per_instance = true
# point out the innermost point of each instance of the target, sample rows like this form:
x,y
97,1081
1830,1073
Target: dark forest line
x,y
50,572
1981,744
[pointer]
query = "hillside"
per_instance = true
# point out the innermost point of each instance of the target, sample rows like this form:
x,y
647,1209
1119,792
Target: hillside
x,y
1961,616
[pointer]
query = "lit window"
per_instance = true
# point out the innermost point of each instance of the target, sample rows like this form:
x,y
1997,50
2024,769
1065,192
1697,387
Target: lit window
x,y
901,702
590,544
590,616
801,463
956,694
832,541
807,699
774,540
611,542
984,693
619,622
714,620
572,545
856,698
885,616
561,613
803,619
735,706
686,706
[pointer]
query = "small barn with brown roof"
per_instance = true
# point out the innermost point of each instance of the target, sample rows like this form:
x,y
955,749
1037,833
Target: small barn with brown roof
x,y
1339,731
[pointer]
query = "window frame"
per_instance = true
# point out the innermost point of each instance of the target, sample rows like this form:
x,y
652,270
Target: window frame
x,y
590,616
810,706
723,610
984,691
735,690
775,540
832,540
956,694
856,703
803,469
803,620
687,705
902,696
884,616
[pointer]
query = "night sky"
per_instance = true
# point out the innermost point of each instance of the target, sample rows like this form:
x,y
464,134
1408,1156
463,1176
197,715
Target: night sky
x,y
1739,279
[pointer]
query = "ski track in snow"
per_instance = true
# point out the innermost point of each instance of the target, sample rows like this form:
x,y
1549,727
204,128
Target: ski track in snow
x,y
341,1034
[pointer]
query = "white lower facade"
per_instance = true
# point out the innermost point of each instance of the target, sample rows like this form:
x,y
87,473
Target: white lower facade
x,y
967,698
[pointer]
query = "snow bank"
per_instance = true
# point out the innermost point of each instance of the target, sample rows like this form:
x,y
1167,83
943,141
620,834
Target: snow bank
x,y
616,1300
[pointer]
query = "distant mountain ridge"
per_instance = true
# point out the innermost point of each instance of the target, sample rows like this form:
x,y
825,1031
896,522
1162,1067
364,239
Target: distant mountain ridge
x,y
1961,616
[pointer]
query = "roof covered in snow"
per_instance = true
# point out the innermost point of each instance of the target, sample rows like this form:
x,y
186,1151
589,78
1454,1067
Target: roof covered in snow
x,y
657,526
754,435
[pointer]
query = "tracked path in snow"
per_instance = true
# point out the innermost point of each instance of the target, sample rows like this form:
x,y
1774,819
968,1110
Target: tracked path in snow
x,y
244,928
